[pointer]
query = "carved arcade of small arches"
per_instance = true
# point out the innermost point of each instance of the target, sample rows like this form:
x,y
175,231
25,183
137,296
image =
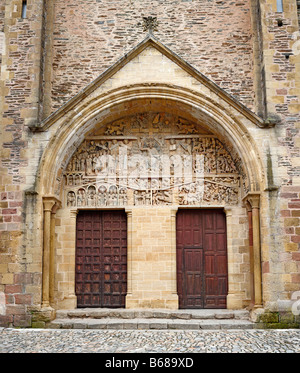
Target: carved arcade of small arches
x,y
153,159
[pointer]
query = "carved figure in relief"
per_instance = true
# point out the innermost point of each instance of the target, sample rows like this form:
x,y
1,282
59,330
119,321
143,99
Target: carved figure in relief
x,y
82,163
182,199
102,198
98,199
116,129
123,197
172,146
111,165
113,148
185,127
101,145
210,162
112,196
187,195
187,146
140,121
225,164
162,162
160,122
162,197
70,167
198,166
150,145
166,183
71,199
81,198
69,179
138,198
210,155
142,197
192,199
147,198
94,164
89,165
155,184
91,196
198,146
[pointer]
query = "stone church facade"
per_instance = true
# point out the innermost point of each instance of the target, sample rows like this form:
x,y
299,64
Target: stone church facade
x,y
150,156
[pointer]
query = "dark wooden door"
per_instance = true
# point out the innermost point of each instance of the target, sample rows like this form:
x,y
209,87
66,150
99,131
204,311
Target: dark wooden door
x,y
101,259
201,258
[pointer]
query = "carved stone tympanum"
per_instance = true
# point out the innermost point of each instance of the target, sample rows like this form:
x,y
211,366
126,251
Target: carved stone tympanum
x,y
152,159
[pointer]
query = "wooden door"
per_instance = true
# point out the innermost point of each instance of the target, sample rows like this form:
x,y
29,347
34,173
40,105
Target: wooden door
x,y
101,259
201,258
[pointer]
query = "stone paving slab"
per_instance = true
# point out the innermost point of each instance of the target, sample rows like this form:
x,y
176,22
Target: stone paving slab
x,y
192,324
99,313
148,341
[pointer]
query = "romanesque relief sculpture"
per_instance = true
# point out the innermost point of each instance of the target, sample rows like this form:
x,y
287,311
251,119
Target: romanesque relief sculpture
x,y
152,159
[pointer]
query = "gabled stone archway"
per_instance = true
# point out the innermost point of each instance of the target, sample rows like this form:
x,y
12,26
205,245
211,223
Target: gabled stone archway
x,y
151,77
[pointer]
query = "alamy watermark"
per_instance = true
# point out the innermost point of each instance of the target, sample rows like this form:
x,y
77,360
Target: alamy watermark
x,y
135,171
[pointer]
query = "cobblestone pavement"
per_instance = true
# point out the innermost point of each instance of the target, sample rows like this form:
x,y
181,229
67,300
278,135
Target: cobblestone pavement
x,y
148,341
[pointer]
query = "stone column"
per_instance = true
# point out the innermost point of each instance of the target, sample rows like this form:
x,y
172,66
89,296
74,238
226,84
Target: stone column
x,y
129,254
48,203
254,200
52,252
235,296
256,253
231,297
174,253
249,213
70,301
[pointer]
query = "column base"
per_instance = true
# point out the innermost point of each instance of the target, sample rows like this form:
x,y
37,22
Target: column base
x,y
44,314
235,301
68,303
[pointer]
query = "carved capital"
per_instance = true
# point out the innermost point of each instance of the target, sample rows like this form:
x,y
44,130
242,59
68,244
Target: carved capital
x,y
252,201
174,212
128,212
247,205
51,202
73,213
56,207
228,211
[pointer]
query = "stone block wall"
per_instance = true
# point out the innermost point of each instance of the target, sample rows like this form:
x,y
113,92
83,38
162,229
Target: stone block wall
x,y
281,59
239,280
2,13
213,36
152,272
65,232
20,77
